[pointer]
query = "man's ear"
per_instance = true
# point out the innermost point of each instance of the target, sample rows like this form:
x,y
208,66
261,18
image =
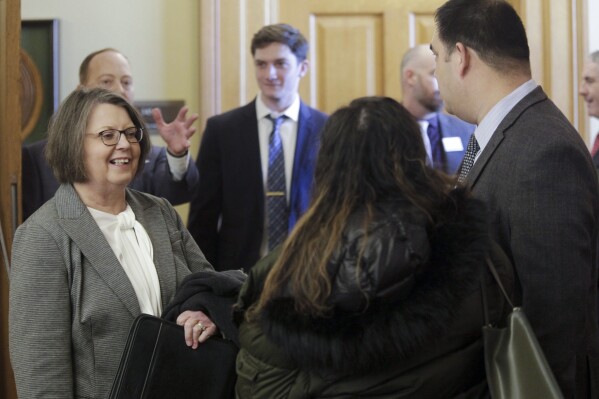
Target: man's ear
x,y
303,68
464,58
409,76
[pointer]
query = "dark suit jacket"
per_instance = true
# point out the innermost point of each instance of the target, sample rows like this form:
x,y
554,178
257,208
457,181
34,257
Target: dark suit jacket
x,y
539,182
66,277
226,216
454,127
39,183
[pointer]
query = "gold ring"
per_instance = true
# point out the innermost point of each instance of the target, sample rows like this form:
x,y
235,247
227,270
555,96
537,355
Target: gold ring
x,y
202,327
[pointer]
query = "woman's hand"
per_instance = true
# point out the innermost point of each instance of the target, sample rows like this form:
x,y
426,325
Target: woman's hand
x,y
198,327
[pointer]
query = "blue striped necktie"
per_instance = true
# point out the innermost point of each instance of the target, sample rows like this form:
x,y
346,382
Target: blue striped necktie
x,y
276,198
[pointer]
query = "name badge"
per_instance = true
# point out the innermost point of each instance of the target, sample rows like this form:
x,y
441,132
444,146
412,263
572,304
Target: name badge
x,y
452,144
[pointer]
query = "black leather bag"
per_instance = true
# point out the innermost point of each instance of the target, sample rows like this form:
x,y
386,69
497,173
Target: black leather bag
x,y
515,364
156,363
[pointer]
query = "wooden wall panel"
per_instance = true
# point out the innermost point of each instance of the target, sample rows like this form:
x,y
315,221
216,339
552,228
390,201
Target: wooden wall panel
x,y
424,27
349,58
554,28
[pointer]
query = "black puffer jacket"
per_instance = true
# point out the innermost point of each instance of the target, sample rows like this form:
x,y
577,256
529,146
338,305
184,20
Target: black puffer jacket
x,y
406,321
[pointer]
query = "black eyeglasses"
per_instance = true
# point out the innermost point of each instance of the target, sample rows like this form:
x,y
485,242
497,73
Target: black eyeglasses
x,y
111,137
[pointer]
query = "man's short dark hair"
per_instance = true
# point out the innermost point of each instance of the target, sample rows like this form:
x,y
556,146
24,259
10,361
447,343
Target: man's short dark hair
x,y
491,27
284,34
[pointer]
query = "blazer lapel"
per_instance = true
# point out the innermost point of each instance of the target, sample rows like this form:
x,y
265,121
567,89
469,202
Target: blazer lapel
x,y
484,157
79,224
149,215
530,99
304,160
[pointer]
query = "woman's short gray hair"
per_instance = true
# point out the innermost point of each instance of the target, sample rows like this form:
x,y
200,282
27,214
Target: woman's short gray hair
x,y
68,126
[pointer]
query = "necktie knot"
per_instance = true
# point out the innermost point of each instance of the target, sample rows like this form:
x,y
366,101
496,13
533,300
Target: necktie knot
x,y
432,121
276,122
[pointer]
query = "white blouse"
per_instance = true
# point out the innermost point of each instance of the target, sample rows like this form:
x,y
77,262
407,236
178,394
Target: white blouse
x,y
132,246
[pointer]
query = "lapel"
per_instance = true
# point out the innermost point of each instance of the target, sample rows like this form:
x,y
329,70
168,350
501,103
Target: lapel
x,y
304,160
303,148
78,223
150,216
535,96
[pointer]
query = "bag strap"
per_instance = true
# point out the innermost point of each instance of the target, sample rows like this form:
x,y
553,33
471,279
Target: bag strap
x,y
483,289
498,280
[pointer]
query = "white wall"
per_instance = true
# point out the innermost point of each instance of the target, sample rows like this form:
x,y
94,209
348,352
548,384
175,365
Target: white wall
x,y
160,38
593,17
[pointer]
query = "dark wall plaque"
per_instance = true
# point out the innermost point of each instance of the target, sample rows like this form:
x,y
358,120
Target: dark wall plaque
x,y
39,69
169,109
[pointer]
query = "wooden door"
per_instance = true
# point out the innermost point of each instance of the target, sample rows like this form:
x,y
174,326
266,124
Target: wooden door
x,y
10,165
356,47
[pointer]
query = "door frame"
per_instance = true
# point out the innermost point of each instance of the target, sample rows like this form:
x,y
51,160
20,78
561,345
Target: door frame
x,y
10,165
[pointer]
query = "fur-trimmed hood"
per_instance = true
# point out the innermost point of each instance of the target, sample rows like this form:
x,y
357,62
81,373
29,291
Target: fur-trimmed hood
x,y
415,283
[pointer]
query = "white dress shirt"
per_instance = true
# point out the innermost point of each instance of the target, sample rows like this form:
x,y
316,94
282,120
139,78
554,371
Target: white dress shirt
x,y
177,165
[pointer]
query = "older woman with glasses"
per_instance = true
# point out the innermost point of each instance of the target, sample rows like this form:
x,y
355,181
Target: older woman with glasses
x,y
95,256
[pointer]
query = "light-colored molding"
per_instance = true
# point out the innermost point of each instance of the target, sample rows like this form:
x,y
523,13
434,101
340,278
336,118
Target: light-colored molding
x,y
210,87
555,31
582,32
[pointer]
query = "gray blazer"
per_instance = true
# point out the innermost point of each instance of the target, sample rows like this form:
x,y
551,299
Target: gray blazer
x,y
540,185
71,303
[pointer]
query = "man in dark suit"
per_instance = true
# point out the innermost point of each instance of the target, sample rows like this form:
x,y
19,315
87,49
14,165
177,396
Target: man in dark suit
x,y
169,171
234,214
445,136
589,90
531,167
